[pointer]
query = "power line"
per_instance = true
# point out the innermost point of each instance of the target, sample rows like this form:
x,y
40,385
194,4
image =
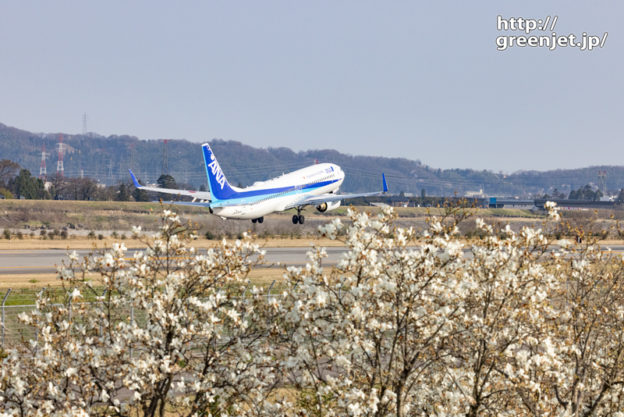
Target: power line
x,y
60,168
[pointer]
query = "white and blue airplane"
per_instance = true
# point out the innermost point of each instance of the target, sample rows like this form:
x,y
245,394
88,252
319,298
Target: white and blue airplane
x,y
314,185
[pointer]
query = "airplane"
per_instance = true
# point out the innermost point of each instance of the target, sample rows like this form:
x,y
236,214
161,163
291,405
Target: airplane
x,y
313,185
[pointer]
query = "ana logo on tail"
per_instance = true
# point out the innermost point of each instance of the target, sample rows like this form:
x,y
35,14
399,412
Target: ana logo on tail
x,y
216,171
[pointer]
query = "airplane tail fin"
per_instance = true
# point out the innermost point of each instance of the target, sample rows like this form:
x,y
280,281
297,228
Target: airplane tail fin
x,y
383,182
134,179
220,189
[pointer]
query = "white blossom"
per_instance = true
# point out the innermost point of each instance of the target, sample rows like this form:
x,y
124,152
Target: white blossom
x,y
407,322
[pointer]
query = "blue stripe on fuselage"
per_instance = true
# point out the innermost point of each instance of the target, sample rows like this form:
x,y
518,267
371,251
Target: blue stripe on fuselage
x,y
249,197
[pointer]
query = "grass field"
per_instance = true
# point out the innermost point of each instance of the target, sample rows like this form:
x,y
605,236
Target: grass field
x,y
114,215
24,287
78,218
98,224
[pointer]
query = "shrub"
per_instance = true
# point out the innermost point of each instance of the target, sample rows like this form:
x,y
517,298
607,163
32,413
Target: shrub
x,y
430,331
197,349
407,323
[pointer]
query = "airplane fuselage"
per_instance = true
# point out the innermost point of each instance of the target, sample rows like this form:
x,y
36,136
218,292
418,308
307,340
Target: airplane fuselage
x,y
315,185
281,193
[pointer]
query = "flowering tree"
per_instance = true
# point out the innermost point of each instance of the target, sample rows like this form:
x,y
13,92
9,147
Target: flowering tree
x,y
589,333
429,324
506,347
407,324
165,330
367,337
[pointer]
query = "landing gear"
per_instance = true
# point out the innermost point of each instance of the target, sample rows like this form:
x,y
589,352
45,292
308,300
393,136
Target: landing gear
x,y
259,220
298,218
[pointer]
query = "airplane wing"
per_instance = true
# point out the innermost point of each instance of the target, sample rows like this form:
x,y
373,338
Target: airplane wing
x,y
328,198
201,195
188,203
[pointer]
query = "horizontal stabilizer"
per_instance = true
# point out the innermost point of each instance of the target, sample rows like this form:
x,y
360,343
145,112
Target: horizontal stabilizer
x,y
201,195
188,203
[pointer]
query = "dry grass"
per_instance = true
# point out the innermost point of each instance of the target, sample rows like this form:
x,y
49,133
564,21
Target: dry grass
x,y
28,280
102,217
80,217
258,276
84,243
73,243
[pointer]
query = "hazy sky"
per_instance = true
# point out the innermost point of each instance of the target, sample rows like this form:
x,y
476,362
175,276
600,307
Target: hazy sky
x,y
420,80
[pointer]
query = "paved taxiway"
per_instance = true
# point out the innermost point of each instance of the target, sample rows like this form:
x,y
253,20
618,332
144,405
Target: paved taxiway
x,y
46,261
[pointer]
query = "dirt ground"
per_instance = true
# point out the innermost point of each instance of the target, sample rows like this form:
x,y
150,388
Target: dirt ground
x,y
84,243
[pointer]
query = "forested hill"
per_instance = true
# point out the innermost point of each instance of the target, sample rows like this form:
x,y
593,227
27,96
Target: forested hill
x,y
107,159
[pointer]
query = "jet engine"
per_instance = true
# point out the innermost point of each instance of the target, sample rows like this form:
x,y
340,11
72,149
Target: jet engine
x,y
323,207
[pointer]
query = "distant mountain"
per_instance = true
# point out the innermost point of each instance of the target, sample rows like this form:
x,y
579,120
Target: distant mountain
x,y
107,159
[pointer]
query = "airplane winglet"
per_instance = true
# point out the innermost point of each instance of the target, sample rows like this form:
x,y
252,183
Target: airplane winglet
x,y
134,180
383,180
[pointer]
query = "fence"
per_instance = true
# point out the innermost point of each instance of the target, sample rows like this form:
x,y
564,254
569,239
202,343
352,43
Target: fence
x,y
14,331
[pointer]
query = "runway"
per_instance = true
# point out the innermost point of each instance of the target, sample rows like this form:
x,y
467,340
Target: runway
x,y
46,261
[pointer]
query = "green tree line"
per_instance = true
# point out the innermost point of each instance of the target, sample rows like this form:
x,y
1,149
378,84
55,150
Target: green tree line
x,y
107,159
